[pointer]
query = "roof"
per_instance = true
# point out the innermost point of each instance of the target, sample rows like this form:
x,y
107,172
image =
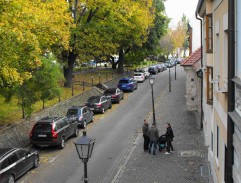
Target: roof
x,y
193,58
5,151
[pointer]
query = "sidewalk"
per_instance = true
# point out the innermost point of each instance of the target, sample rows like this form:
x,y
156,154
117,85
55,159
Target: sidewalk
x,y
188,164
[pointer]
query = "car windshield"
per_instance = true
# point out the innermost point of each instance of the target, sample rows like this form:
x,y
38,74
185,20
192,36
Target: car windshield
x,y
124,81
43,128
110,91
72,112
138,74
95,99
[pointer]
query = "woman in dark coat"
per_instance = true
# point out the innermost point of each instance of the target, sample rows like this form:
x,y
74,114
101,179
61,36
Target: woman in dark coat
x,y
145,129
169,137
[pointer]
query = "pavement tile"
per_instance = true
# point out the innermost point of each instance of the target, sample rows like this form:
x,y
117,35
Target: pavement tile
x,y
182,166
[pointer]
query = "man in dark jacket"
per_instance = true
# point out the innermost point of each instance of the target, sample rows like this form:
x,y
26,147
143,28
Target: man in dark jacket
x,y
154,136
169,138
145,129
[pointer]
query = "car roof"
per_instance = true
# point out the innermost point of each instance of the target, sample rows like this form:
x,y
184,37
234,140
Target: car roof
x,y
5,151
77,107
125,78
110,89
97,96
49,119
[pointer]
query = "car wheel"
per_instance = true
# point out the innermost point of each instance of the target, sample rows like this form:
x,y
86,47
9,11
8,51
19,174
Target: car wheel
x,y
11,179
62,144
36,162
110,106
136,86
103,110
76,132
118,101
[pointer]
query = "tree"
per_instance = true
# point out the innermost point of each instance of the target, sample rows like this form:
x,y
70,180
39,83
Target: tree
x,y
166,45
103,28
28,29
47,78
155,33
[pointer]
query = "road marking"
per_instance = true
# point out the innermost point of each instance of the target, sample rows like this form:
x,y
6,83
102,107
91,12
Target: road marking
x,y
53,159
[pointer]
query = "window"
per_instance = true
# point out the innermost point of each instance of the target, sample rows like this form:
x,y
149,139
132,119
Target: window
x,y
209,34
209,85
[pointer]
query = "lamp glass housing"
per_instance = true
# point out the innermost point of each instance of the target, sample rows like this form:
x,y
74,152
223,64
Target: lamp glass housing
x,y
151,80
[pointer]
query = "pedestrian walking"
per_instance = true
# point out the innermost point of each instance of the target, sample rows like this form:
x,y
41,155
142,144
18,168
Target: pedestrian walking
x,y
145,129
169,138
154,136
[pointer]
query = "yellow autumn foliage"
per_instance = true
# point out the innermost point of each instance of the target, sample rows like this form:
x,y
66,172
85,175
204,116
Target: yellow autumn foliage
x,y
27,29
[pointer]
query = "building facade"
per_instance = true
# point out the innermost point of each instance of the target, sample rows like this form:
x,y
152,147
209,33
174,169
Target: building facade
x,y
192,66
214,14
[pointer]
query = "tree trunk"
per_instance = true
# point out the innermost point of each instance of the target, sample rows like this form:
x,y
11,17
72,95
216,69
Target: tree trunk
x,y
43,103
23,111
68,70
120,69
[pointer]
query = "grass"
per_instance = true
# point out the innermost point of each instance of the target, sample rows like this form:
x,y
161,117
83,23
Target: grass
x,y
11,112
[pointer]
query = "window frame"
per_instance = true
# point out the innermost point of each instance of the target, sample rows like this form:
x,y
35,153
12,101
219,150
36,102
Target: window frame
x,y
209,33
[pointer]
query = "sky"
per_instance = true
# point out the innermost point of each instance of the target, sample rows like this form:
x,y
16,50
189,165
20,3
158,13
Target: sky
x,y
176,8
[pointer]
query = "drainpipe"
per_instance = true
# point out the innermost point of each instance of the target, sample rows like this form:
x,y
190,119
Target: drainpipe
x,y
231,100
201,25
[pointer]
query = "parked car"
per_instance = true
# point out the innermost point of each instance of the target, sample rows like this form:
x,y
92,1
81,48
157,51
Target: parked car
x,y
163,66
139,77
127,84
159,68
145,71
99,103
168,64
82,114
14,162
115,94
178,60
153,70
53,131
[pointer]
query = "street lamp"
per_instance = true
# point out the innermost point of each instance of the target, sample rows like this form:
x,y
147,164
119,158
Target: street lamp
x,y
99,78
170,78
84,146
151,80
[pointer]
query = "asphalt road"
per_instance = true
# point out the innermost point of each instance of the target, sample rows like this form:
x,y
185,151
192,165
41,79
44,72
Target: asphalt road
x,y
115,132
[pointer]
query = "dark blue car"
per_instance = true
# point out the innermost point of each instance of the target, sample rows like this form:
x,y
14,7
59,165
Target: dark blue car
x,y
127,84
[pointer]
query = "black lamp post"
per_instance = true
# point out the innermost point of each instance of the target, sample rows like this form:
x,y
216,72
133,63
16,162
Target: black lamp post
x,y
151,80
84,146
170,78
99,78
175,70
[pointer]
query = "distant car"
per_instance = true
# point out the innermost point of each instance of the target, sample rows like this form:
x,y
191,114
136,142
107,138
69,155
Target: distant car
x,y
115,94
53,131
178,60
168,64
82,114
163,66
127,84
99,103
139,77
145,71
14,162
160,68
153,70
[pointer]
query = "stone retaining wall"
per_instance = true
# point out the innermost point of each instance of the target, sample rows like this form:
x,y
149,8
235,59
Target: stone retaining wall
x,y
17,134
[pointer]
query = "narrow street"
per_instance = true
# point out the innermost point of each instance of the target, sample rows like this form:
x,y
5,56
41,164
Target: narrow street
x,y
116,134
